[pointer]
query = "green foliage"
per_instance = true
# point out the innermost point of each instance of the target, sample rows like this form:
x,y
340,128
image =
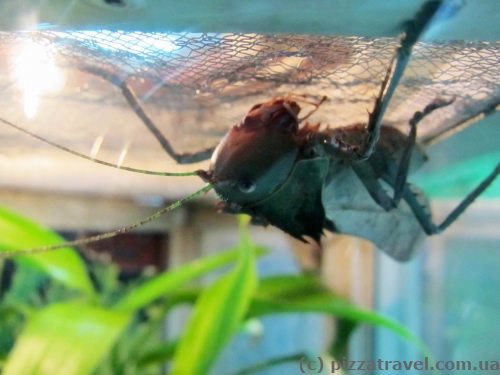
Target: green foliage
x,y
65,338
163,284
64,265
217,315
53,320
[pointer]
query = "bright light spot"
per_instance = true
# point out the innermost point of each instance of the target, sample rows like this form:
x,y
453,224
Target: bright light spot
x,y
122,155
96,147
36,74
31,103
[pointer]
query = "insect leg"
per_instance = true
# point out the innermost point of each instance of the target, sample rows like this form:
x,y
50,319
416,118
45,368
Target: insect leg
x,y
461,123
404,163
470,198
368,178
413,30
137,107
424,217
326,144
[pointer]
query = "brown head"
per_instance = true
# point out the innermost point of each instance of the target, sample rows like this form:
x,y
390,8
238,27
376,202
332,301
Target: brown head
x,y
256,156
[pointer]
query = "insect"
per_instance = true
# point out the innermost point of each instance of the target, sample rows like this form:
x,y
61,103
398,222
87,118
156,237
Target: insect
x,y
286,172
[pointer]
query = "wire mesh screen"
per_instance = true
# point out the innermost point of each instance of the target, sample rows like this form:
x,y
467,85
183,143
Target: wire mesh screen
x,y
195,86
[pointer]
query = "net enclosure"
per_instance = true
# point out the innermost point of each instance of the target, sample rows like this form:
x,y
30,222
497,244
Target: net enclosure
x,y
62,85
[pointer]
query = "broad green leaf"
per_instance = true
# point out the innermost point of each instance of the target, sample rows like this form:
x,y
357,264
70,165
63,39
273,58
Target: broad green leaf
x,y
169,281
64,265
217,315
65,338
304,293
287,294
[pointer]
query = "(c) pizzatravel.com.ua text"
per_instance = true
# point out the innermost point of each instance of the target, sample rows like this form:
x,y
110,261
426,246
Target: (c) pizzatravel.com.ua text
x,y
317,365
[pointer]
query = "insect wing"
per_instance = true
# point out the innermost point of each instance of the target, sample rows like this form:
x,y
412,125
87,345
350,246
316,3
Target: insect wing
x,y
352,210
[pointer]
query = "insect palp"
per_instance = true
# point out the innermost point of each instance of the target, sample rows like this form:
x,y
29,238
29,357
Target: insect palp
x,y
316,107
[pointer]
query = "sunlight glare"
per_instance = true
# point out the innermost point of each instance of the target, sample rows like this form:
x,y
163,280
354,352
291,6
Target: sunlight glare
x,y
96,146
36,74
122,155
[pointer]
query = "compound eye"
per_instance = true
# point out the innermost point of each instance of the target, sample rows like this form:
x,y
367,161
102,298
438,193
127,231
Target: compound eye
x,y
246,185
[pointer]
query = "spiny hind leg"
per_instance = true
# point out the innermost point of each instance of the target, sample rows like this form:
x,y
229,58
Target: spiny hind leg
x,y
140,111
424,217
404,163
368,176
413,30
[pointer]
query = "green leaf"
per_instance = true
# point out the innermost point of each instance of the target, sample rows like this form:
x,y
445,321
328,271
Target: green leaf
x,y
169,281
217,315
159,354
64,265
65,338
265,365
344,328
302,294
287,294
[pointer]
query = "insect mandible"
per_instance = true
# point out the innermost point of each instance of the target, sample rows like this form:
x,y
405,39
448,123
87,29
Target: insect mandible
x,y
285,172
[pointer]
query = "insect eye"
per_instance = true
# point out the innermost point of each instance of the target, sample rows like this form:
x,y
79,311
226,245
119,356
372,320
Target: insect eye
x,y
246,185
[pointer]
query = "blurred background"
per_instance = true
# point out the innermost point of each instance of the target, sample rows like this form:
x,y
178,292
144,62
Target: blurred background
x,y
197,69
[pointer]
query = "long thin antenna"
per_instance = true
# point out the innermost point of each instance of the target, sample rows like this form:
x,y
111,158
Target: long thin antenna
x,y
98,161
85,241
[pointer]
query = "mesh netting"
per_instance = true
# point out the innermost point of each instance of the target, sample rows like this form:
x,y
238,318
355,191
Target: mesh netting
x,y
195,86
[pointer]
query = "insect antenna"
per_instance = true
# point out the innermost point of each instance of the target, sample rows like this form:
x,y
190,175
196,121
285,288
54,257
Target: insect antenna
x,y
98,161
85,241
